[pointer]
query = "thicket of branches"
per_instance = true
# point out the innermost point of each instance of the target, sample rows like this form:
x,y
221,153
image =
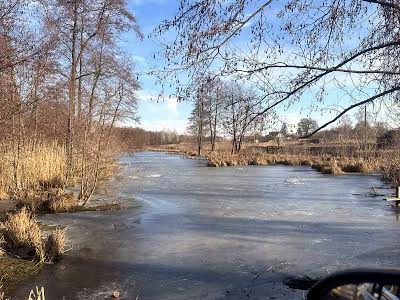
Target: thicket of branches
x,y
333,55
64,84
224,108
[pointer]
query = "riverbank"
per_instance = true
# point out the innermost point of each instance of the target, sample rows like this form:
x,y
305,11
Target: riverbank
x,y
388,164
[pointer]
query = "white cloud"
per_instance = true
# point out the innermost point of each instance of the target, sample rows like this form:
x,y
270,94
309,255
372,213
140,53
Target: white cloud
x,y
138,58
177,125
162,114
170,103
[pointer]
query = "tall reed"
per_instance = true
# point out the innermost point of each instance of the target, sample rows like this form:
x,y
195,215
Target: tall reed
x,y
31,167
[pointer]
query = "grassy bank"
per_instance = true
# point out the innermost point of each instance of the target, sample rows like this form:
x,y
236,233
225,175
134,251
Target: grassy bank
x,y
33,181
387,164
13,271
25,245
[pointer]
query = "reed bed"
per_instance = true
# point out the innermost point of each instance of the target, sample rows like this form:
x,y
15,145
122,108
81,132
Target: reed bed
x,y
30,167
327,164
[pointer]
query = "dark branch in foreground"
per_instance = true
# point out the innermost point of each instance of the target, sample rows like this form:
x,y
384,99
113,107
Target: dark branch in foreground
x,y
383,3
319,76
351,107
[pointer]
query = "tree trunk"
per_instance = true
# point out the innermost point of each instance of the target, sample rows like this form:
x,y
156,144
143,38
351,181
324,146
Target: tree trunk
x,y
71,95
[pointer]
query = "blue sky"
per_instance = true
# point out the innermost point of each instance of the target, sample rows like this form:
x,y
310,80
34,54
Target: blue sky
x,y
167,114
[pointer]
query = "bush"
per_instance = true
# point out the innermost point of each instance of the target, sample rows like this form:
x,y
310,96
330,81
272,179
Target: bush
x,y
45,201
31,199
55,245
62,202
23,237
391,171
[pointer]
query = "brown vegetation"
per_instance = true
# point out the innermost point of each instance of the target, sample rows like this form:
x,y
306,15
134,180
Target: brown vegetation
x,y
57,116
13,271
327,164
24,238
55,245
44,167
55,200
391,170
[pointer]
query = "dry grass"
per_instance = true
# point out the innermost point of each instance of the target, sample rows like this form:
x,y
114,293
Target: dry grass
x,y
14,270
391,170
23,235
54,200
24,238
31,199
37,294
2,245
62,203
43,167
327,164
55,245
2,294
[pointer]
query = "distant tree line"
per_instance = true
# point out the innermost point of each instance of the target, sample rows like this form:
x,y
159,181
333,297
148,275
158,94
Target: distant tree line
x,y
138,138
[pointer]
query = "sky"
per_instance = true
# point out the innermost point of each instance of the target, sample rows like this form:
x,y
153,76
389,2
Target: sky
x,y
168,114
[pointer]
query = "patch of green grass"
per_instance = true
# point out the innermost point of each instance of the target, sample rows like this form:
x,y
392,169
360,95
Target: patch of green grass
x,y
15,270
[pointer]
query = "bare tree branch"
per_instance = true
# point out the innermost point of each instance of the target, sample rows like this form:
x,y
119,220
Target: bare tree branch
x,y
312,80
383,3
351,107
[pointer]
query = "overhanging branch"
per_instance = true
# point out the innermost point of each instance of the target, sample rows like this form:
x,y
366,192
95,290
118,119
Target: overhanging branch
x,y
351,107
384,3
319,76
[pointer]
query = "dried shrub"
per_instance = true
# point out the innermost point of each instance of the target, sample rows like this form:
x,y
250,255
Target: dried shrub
x,y
23,235
391,171
331,167
31,199
45,201
55,245
62,202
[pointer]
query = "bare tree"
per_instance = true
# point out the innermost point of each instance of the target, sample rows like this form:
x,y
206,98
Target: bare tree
x,y
296,47
65,80
240,104
213,92
198,119
89,24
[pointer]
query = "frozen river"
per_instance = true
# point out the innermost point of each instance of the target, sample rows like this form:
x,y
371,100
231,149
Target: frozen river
x,y
195,232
